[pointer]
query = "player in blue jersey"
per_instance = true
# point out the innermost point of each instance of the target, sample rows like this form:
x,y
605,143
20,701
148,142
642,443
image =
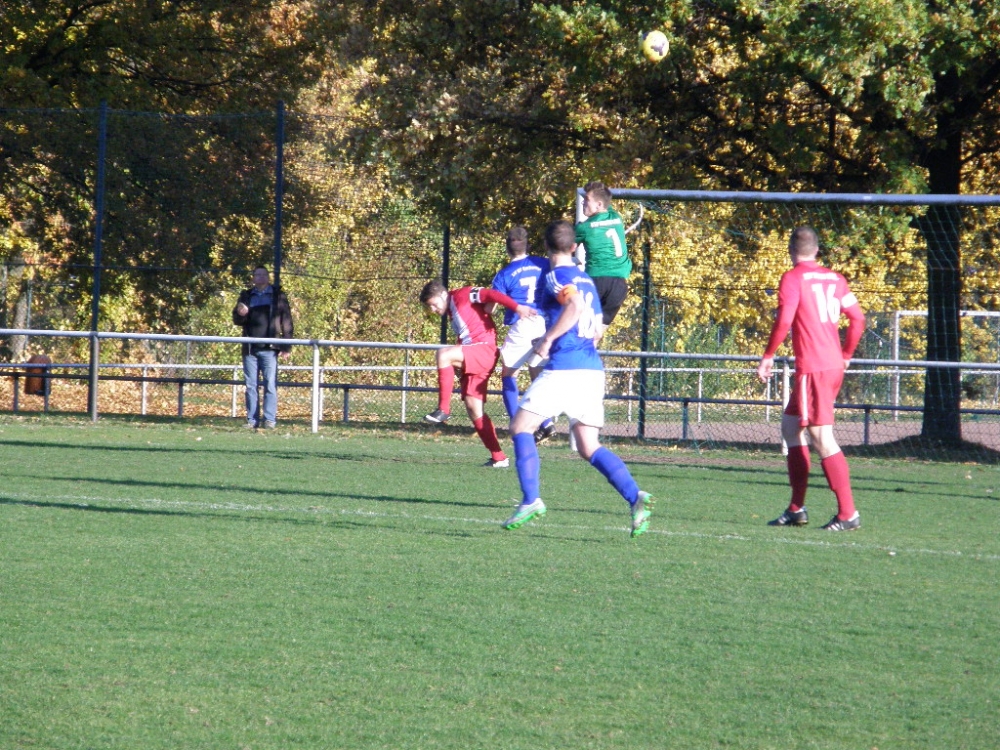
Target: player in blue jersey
x,y
519,281
572,383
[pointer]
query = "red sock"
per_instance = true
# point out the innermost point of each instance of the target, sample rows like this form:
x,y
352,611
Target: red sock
x,y
488,434
798,475
838,476
446,382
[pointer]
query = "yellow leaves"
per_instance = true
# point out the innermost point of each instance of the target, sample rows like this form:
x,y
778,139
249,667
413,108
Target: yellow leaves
x,y
720,264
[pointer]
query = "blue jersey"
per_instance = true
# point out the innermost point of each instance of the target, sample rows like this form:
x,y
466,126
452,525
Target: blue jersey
x,y
575,349
519,281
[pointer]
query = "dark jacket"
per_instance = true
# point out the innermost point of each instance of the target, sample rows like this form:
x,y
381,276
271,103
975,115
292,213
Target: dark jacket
x,y
272,321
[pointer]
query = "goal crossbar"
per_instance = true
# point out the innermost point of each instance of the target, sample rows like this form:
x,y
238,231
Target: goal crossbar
x,y
874,199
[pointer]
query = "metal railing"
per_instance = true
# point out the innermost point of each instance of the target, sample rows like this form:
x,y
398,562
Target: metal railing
x,y
775,390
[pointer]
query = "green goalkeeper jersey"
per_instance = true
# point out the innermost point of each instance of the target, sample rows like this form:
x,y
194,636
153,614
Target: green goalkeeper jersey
x,y
603,236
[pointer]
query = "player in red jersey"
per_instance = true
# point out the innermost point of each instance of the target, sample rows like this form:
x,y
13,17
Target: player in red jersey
x,y
475,355
811,299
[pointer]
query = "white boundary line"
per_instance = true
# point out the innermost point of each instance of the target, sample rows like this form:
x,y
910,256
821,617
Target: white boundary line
x,y
86,500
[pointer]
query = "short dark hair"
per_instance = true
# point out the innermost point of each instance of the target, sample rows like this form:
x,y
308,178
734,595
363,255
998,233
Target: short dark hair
x,y
432,289
599,191
803,242
517,240
560,237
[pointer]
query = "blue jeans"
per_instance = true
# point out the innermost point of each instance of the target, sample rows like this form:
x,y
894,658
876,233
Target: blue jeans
x,y
264,361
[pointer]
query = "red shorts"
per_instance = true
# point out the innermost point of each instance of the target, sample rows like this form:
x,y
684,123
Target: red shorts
x,y
480,361
813,396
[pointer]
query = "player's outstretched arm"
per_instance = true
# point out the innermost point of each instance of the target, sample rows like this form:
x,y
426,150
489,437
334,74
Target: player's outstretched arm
x,y
484,297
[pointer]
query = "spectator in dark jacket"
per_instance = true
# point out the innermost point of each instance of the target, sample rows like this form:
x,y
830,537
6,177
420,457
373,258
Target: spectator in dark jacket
x,y
263,312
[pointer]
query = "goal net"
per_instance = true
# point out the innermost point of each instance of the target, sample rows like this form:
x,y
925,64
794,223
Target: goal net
x,y
705,278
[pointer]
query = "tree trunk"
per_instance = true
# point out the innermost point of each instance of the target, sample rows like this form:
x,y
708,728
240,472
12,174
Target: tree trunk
x,y
943,386
19,344
942,231
18,316
4,345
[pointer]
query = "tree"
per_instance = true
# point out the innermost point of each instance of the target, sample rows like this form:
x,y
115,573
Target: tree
x,y
889,96
182,194
841,95
177,57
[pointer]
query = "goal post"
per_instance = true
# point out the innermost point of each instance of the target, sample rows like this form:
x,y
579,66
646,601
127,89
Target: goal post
x,y
708,264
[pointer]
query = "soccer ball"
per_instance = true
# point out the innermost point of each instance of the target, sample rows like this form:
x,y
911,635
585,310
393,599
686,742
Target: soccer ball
x,y
655,46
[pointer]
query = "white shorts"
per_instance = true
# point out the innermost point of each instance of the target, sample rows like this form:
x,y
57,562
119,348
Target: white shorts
x,y
579,394
516,349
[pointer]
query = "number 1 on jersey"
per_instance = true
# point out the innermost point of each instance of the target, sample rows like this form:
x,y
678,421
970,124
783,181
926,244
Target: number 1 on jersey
x,y
612,235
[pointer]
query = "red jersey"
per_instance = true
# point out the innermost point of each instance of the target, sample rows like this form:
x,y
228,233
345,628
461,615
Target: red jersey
x,y
469,319
810,301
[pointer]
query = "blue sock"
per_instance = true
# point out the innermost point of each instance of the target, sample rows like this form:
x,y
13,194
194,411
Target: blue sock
x,y
527,464
616,472
509,392
546,423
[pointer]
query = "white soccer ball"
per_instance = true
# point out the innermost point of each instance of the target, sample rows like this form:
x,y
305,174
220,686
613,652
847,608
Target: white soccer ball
x,y
655,46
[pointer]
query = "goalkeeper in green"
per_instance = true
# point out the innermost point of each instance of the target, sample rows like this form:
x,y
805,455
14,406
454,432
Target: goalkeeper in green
x,y
601,247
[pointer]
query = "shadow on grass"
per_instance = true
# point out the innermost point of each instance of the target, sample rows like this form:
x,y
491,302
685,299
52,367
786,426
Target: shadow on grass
x,y
264,450
339,521
615,507
245,492
329,519
920,448
913,448
909,448
461,426
777,476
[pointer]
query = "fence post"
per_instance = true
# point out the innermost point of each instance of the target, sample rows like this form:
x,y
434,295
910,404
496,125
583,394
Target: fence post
x,y
406,378
95,359
445,272
279,190
95,302
786,382
237,373
628,392
767,397
701,377
895,355
315,388
644,340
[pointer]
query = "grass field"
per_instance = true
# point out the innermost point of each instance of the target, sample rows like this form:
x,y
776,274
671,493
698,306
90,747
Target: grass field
x,y
193,585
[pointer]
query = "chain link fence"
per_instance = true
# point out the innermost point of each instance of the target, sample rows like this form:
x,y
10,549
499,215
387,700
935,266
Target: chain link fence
x,y
133,221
